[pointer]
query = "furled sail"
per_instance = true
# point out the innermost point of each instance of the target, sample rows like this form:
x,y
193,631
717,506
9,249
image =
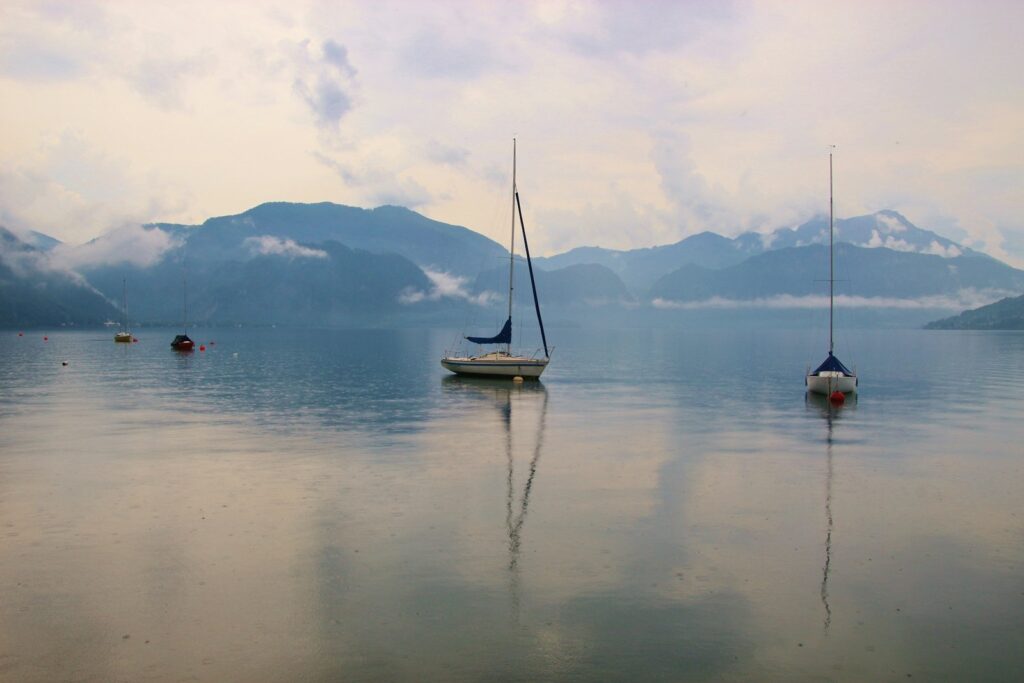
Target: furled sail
x,y
503,337
832,364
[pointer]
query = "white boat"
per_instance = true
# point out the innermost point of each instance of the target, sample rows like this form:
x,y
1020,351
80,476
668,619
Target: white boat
x,y
504,363
831,376
496,364
124,336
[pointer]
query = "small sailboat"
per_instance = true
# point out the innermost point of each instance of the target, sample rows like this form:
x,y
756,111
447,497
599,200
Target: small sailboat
x,y
182,342
502,362
124,336
831,376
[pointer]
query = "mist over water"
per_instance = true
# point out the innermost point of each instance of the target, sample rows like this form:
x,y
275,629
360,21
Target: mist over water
x,y
664,505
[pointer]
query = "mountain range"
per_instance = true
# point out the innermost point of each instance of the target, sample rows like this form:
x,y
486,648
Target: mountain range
x,y
332,265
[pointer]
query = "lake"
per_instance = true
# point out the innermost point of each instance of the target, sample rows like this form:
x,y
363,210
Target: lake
x,y
665,505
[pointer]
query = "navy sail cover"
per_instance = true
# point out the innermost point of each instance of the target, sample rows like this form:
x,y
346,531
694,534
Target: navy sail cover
x,y
832,364
503,337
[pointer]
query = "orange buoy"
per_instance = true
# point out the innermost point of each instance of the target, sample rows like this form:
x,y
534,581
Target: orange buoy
x,y
837,397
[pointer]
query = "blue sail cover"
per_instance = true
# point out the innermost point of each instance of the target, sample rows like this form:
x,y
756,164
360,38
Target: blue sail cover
x,y
503,337
832,364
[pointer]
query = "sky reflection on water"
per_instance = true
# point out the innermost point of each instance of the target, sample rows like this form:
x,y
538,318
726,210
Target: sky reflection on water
x,y
331,505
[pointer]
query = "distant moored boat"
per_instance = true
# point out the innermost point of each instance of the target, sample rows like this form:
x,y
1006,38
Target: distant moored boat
x,y
182,342
124,336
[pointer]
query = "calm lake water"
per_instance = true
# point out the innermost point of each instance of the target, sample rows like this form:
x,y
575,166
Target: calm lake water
x,y
664,506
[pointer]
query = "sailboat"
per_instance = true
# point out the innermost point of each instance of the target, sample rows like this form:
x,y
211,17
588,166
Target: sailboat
x,y
831,376
182,342
124,336
502,362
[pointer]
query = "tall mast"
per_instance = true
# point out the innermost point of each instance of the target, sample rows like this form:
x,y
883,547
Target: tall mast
x,y
124,301
512,243
831,257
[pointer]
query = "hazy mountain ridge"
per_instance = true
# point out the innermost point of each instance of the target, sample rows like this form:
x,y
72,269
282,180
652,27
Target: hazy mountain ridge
x,y
328,264
641,268
385,229
860,271
580,284
1005,314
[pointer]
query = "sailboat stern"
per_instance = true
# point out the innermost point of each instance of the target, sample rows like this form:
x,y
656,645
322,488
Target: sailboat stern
x,y
828,382
832,376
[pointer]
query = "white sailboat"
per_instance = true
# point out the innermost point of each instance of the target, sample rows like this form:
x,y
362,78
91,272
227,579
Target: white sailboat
x,y
502,362
831,376
124,336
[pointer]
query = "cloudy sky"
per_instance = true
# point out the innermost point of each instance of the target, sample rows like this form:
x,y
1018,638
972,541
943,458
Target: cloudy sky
x,y
638,122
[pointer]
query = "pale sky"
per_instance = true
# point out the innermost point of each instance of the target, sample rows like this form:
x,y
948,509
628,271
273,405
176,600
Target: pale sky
x,y
639,123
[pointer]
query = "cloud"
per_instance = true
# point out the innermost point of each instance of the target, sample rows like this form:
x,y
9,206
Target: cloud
x,y
337,55
446,285
434,53
699,115
131,244
49,42
268,245
889,242
965,298
613,28
696,206
322,82
66,188
379,181
890,223
951,251
326,99
162,78
440,153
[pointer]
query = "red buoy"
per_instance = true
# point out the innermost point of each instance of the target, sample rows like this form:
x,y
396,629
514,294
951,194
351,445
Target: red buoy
x,y
837,397
21,334
135,340
202,347
46,339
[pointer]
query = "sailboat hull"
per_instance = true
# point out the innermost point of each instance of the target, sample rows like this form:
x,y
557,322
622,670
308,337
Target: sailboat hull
x,y
828,382
123,337
496,366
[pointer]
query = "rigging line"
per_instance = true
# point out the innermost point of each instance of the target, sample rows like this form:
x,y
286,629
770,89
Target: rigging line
x,y
533,282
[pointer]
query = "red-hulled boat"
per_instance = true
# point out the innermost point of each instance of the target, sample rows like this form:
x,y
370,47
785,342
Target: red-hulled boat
x,y
182,343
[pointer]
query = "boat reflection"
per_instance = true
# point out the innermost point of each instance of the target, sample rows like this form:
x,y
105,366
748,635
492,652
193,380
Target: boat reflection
x,y
517,504
832,413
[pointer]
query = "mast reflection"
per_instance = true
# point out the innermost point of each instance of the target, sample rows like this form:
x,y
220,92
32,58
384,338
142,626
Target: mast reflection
x,y
516,510
832,413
